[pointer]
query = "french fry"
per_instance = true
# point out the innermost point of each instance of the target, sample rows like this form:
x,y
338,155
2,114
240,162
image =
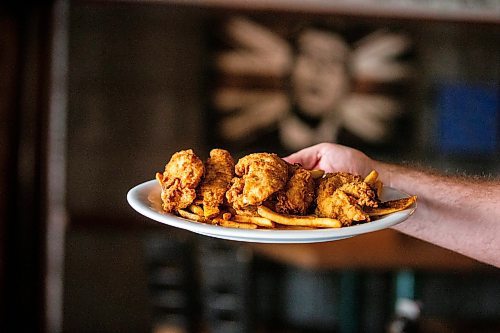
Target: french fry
x,y
210,212
258,220
226,215
296,220
317,173
378,187
292,227
371,178
233,224
196,210
191,216
374,182
391,206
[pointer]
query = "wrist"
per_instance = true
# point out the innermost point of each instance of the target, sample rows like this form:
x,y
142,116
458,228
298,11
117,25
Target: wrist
x,y
385,171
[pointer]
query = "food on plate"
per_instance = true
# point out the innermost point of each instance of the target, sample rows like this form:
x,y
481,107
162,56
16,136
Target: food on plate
x,y
342,196
316,173
260,176
298,194
178,182
375,183
257,220
262,191
219,171
391,206
233,224
297,220
192,216
196,210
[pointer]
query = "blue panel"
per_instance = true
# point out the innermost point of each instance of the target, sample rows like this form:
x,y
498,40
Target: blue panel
x,y
468,119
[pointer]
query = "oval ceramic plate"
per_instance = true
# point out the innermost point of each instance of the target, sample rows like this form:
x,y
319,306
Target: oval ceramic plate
x,y
145,199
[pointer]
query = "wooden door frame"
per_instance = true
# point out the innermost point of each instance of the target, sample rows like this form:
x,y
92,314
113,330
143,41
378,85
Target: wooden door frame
x,y
32,215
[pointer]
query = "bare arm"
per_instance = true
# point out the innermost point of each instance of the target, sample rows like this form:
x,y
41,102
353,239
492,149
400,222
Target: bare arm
x,y
459,214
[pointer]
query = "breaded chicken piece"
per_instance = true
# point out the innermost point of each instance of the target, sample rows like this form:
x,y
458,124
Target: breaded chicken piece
x,y
261,175
219,171
353,185
342,196
298,194
179,180
364,194
340,206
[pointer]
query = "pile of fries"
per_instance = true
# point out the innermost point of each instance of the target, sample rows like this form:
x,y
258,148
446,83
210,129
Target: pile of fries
x,y
268,219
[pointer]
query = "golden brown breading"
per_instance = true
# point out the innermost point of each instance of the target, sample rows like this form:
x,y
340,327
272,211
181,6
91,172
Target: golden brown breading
x,y
247,211
298,193
179,180
219,171
339,205
364,194
262,174
342,196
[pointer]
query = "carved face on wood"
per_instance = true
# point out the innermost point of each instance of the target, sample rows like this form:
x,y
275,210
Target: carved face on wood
x,y
319,78
308,89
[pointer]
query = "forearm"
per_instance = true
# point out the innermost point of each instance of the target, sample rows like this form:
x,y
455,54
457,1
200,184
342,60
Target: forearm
x,y
459,214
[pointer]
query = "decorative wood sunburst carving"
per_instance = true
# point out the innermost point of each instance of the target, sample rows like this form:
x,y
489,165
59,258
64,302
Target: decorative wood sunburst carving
x,y
307,84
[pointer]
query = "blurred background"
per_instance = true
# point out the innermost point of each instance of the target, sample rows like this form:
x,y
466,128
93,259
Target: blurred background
x,y
95,96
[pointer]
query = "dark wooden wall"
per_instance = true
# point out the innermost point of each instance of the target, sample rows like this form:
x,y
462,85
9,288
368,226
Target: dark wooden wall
x,y
30,104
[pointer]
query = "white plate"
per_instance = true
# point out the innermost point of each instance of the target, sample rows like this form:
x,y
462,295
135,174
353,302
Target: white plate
x,y
145,199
